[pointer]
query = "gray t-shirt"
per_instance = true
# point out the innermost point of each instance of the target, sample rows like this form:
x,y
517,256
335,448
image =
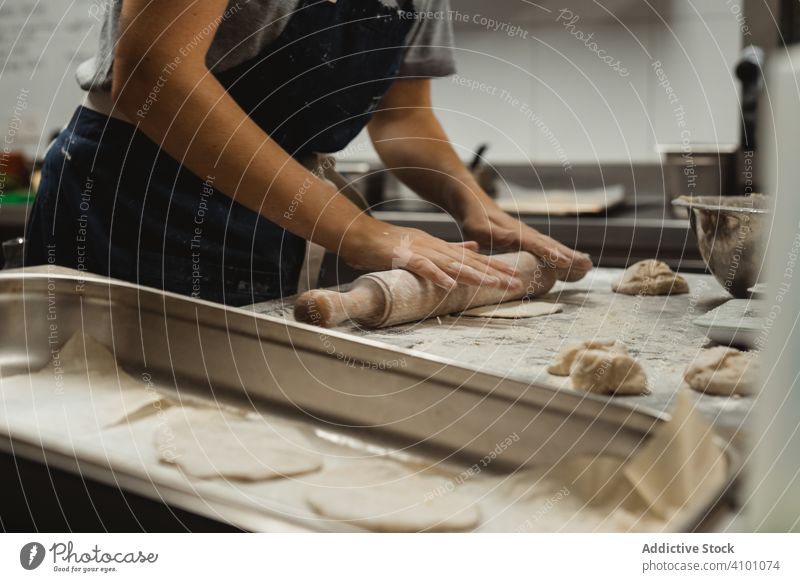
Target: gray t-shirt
x,y
249,26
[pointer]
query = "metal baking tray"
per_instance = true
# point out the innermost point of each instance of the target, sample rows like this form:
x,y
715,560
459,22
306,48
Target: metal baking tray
x,y
420,404
323,376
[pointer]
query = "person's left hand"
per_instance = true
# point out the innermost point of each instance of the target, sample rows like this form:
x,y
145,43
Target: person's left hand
x,y
494,229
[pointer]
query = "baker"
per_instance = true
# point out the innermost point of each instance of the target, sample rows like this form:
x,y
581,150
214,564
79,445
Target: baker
x,y
196,163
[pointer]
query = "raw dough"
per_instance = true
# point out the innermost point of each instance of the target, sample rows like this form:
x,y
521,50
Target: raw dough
x,y
82,390
383,496
608,372
722,371
562,364
602,366
515,309
650,277
208,443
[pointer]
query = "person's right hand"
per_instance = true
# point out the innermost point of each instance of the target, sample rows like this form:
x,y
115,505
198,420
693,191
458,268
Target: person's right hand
x,y
374,245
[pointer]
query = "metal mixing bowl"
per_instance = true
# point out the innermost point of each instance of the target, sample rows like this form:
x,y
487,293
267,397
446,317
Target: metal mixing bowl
x,y
730,233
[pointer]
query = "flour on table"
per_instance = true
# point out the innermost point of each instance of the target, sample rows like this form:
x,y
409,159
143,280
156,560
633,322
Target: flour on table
x,y
208,443
650,277
515,310
383,496
722,371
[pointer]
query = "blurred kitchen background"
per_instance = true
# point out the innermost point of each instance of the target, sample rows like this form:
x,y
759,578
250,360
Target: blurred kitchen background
x,y
587,118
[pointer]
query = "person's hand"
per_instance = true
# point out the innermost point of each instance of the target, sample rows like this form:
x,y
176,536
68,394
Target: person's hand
x,y
375,245
496,230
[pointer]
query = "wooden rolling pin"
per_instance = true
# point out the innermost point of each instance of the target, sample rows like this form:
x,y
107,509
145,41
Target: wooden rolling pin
x,y
391,297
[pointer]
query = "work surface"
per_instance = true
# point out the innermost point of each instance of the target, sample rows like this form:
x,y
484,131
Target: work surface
x,y
658,331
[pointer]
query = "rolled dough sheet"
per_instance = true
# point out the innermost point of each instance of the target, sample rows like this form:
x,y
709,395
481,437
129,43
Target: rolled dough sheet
x,y
82,390
515,310
383,496
208,443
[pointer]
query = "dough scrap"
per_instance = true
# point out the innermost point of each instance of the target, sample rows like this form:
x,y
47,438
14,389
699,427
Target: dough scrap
x,y
566,357
650,277
515,310
207,444
383,496
723,371
608,372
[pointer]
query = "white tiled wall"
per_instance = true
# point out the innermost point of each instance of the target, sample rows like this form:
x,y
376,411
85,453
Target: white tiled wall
x,y
587,112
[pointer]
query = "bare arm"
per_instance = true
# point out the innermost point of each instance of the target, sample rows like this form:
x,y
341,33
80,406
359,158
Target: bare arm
x,y
197,122
411,142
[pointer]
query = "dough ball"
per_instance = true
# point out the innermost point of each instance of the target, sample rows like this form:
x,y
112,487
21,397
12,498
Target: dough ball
x,y
383,496
208,443
515,310
650,277
722,371
608,372
566,357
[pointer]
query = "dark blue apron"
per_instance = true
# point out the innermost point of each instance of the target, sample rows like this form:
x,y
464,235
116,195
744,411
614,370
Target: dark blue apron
x,y
111,202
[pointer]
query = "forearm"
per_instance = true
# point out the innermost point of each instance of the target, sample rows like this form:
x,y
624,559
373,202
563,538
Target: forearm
x,y
410,140
198,123
415,147
200,127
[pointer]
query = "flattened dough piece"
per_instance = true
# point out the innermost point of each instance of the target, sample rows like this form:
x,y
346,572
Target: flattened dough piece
x,y
723,371
515,310
650,277
608,372
383,496
566,357
207,444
